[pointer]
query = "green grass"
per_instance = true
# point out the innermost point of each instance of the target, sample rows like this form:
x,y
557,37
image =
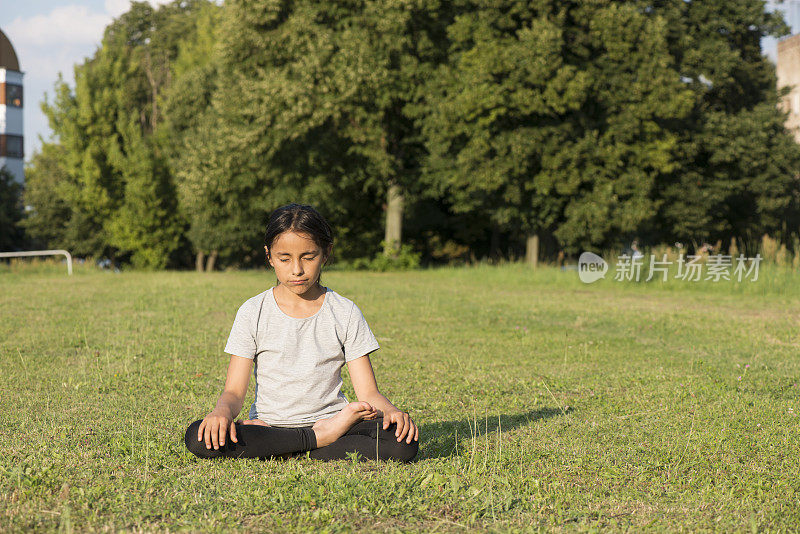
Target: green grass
x,y
542,403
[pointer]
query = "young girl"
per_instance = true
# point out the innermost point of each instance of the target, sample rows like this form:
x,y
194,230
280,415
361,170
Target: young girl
x,y
299,334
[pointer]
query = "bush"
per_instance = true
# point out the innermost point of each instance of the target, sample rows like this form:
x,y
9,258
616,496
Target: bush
x,y
404,259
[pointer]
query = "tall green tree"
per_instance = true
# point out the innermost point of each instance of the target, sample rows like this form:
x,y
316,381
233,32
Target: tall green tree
x,y
11,212
738,172
50,222
190,136
118,183
309,107
551,118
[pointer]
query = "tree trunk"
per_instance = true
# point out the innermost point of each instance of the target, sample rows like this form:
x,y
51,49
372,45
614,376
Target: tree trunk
x,y
733,249
394,220
532,250
198,261
212,258
494,244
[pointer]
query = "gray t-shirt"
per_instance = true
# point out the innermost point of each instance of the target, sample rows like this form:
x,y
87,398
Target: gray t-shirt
x,y
298,362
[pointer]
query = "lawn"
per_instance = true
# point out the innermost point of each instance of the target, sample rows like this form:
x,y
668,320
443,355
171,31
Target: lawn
x,y
543,404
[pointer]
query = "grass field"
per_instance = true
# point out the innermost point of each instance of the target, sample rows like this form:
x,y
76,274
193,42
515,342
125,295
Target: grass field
x,y
542,403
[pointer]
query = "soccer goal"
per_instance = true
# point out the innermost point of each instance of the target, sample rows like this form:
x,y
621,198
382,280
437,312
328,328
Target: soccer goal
x,y
41,253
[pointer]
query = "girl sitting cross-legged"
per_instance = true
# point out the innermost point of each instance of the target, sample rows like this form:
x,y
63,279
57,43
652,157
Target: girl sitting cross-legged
x,y
299,334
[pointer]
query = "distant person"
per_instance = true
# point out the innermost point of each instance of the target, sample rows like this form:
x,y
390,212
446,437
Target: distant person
x,y
300,334
635,252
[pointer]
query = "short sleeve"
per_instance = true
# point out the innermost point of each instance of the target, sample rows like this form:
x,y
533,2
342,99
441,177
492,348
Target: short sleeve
x,y
359,339
242,339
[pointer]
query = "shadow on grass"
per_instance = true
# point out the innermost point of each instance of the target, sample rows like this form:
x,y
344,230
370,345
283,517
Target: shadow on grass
x,y
439,439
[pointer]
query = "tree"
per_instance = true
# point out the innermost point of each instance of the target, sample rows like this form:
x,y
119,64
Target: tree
x,y
11,234
118,184
551,119
190,134
312,110
49,222
738,166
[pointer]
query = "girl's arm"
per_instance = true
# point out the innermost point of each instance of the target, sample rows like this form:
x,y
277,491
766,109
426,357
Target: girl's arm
x,y
221,419
363,379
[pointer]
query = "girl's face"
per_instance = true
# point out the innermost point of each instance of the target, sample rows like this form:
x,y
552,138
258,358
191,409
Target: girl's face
x,y
295,257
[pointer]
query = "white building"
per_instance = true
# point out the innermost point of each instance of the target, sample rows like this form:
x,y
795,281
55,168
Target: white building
x,y
11,140
788,71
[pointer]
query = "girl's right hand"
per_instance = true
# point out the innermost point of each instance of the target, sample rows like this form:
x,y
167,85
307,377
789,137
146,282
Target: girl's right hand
x,y
214,427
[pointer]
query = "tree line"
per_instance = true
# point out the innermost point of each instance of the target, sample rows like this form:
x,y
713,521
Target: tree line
x,y
459,129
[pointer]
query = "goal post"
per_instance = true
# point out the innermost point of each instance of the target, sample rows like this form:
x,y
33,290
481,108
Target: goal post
x,y
41,253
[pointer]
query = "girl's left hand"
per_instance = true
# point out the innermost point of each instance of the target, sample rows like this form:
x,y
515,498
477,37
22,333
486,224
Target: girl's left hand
x,y
405,426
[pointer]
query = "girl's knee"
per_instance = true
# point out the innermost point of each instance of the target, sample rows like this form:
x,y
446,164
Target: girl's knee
x,y
401,451
195,446
405,452
408,451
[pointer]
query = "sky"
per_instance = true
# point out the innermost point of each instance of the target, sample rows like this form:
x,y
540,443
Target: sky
x,y
50,36
791,14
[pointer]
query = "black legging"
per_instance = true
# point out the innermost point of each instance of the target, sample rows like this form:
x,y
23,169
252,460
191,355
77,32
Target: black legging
x,y
257,441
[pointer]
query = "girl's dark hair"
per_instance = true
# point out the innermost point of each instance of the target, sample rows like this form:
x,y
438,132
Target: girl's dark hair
x,y
302,219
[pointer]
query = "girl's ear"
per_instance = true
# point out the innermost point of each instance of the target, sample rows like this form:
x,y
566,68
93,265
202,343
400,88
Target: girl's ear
x,y
269,260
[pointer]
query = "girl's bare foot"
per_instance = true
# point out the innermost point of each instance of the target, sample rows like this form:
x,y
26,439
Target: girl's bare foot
x,y
331,429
